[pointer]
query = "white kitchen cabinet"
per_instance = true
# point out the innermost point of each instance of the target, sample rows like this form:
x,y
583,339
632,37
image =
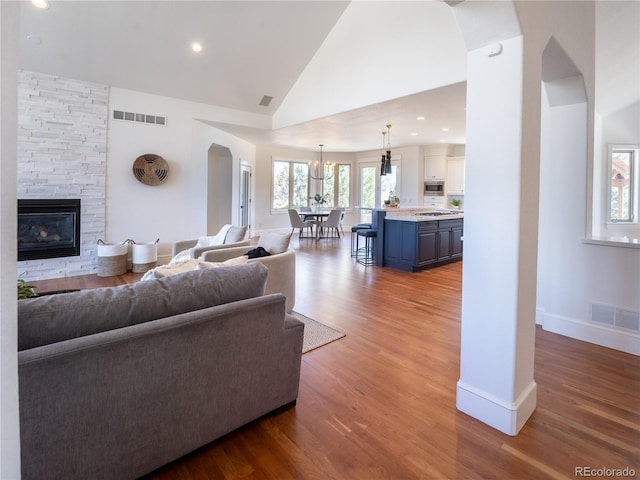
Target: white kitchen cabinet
x,y
435,167
455,176
433,202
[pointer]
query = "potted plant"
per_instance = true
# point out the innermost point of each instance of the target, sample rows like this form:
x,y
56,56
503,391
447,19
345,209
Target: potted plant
x,y
455,203
320,199
24,290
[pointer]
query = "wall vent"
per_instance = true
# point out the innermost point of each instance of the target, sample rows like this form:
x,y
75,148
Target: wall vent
x,y
140,118
614,317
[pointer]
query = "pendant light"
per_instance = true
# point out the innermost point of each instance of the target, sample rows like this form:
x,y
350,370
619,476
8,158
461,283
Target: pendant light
x,y
383,169
317,172
385,163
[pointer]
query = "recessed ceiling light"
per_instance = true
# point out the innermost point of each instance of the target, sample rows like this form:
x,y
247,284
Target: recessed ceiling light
x,y
43,4
420,118
445,129
34,40
196,47
413,134
443,140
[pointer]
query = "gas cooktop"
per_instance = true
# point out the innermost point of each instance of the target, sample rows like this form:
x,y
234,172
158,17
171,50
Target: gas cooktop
x,y
436,214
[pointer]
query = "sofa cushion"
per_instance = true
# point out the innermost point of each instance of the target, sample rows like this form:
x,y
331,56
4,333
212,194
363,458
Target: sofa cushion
x,y
235,234
175,268
54,318
274,243
241,260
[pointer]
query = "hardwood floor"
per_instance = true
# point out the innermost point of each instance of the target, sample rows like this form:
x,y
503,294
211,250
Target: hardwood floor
x,y
380,403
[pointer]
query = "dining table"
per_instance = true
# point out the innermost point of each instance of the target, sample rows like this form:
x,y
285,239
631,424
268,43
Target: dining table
x,y
319,215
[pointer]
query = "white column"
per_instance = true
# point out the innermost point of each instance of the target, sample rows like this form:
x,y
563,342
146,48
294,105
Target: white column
x,y
10,431
500,240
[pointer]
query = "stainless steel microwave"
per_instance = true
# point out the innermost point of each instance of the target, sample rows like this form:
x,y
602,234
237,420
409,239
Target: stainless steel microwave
x,y
434,188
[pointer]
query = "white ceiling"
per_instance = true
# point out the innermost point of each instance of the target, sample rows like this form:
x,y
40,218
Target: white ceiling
x,y
361,129
251,49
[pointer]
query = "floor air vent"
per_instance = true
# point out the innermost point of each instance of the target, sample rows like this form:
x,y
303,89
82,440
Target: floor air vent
x,y
139,117
615,317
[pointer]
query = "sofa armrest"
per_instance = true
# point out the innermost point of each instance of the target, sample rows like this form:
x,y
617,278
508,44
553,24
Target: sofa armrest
x,y
197,252
181,245
281,276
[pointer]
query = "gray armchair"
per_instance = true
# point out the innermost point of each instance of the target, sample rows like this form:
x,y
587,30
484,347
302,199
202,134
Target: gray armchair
x,y
235,238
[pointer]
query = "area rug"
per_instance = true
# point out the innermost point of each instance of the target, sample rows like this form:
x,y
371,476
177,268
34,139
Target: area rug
x,y
316,334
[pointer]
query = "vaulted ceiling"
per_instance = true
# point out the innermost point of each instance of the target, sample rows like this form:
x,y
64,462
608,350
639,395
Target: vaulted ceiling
x,y
250,49
257,48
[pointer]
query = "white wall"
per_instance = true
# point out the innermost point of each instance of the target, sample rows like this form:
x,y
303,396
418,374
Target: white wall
x,y
176,209
572,275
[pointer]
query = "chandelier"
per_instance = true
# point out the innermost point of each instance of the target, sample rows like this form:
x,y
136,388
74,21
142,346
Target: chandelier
x,y
385,162
317,170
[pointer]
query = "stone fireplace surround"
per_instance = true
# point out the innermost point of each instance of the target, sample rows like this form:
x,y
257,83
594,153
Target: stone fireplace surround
x,y
62,145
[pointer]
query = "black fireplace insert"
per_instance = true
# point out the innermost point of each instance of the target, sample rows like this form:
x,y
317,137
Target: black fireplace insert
x,y
48,228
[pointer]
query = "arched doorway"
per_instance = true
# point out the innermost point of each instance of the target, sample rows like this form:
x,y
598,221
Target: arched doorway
x,y
219,188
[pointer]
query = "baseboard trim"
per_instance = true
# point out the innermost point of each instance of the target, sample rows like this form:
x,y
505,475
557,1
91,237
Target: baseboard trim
x,y
589,332
508,417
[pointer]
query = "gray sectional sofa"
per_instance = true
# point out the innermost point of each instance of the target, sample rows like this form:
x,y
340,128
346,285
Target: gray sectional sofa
x,y
116,382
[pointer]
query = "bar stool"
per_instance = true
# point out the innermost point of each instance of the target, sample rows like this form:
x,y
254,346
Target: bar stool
x,y
354,237
369,235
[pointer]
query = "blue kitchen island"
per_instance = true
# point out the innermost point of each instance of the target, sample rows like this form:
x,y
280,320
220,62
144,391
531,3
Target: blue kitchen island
x,y
419,240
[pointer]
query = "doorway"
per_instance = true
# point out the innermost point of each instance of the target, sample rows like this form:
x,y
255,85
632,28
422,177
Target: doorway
x,y
375,188
245,197
219,188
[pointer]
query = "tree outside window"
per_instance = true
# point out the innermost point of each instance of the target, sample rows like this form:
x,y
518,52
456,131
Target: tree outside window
x,y
623,184
292,185
337,185
281,184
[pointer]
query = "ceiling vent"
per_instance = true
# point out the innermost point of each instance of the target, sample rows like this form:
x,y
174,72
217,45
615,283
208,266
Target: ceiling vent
x,y
266,100
139,118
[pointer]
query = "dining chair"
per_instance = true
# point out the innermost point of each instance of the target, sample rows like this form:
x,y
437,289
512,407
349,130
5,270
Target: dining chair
x,y
332,221
301,225
308,217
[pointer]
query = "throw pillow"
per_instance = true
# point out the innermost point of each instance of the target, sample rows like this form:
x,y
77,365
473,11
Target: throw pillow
x,y
217,239
274,243
235,234
227,263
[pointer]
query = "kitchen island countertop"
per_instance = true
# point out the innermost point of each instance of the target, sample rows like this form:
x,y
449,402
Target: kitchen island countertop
x,y
424,216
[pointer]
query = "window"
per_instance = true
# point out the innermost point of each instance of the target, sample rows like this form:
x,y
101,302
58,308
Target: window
x,y
623,183
337,185
292,185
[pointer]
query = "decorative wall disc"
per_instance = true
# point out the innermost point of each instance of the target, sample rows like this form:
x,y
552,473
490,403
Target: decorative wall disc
x,y
151,169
